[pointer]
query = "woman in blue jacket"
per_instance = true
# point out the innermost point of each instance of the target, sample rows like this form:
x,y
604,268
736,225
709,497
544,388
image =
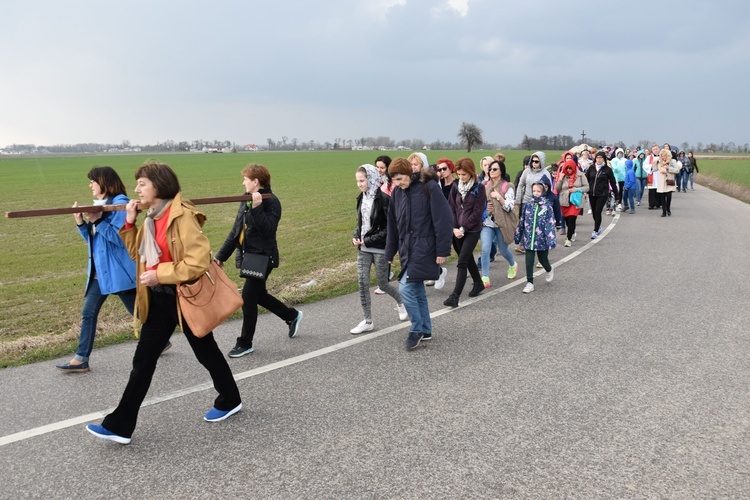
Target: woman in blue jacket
x,y
420,229
111,270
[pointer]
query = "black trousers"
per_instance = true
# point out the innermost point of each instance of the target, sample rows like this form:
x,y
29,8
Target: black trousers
x,y
597,205
654,199
543,256
570,223
160,324
465,249
254,294
666,202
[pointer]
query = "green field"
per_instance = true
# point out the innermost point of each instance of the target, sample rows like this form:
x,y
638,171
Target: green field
x,y
44,259
730,170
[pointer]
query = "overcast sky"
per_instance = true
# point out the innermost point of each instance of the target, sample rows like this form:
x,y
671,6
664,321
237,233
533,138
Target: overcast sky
x,y
242,70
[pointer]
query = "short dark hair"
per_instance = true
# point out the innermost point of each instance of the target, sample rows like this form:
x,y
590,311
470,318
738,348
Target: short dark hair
x,y
503,174
256,171
162,176
108,180
385,159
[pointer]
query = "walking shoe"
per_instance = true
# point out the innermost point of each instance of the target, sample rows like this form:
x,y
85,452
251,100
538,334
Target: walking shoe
x,y
567,243
528,288
402,314
538,265
378,291
215,415
452,300
440,283
619,207
512,270
101,432
632,211
589,211
390,275
363,326
429,282
637,203
550,275
413,340
521,250
574,237
594,234
486,281
294,325
609,212
476,289
167,347
74,368
238,351
426,336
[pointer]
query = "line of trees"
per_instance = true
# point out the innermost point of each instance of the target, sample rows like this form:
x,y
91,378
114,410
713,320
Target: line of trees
x,y
565,142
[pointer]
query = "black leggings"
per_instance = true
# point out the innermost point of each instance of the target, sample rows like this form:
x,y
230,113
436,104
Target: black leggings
x,y
597,205
666,202
465,250
543,256
570,223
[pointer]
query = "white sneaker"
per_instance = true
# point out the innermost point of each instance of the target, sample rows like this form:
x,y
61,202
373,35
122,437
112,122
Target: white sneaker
x,y
550,275
378,291
402,314
440,283
528,288
429,282
589,211
364,326
619,207
574,237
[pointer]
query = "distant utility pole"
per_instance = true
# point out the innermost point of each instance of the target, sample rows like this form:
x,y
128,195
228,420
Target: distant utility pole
x,y
583,137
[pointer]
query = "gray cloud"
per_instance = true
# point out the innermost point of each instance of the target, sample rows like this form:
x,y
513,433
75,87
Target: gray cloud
x,y
246,71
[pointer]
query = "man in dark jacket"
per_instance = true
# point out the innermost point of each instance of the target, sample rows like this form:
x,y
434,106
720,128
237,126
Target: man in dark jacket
x,y
420,229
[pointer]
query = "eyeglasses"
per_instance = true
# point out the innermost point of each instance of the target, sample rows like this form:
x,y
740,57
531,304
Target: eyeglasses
x,y
494,169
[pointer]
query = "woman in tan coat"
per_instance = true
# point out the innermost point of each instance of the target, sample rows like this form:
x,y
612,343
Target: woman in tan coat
x,y
169,249
665,182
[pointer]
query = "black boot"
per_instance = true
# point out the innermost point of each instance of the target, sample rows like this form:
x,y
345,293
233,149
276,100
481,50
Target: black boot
x,y
452,300
476,289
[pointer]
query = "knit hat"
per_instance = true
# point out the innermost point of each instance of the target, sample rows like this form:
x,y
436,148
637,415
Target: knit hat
x,y
400,166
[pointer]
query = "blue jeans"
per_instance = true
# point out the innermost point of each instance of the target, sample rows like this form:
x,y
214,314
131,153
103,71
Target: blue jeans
x,y
629,199
640,188
685,176
92,303
415,300
691,178
490,236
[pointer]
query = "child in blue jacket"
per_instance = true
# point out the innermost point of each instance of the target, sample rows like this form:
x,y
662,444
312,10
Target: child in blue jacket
x,y
628,196
536,234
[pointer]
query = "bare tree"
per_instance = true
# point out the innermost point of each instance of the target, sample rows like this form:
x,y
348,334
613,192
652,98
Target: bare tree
x,y
471,135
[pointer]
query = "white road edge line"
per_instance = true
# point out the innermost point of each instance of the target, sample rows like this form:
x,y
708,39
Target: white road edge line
x,y
89,417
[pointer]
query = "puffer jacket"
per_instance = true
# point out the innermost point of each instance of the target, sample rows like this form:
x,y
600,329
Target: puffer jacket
x,y
536,226
420,227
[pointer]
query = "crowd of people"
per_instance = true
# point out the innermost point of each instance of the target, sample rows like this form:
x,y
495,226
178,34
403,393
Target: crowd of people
x,y
406,207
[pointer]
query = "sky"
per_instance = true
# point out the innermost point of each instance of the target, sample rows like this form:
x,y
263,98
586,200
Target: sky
x,y
98,71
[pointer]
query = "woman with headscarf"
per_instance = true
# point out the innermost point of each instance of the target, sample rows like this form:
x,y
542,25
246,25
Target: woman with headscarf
x,y
369,238
570,180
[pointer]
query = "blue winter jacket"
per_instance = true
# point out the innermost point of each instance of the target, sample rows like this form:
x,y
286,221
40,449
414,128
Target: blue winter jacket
x,y
420,227
115,269
536,226
629,175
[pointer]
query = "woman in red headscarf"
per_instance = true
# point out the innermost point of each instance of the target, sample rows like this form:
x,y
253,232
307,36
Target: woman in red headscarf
x,y
569,181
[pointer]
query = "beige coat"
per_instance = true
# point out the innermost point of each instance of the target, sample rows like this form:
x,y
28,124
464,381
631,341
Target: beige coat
x,y
189,248
506,221
563,188
661,182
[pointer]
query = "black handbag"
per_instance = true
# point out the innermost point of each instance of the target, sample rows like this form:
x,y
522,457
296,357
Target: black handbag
x,y
254,265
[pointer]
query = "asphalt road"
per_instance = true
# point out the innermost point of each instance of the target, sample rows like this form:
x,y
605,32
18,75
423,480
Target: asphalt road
x,y
628,376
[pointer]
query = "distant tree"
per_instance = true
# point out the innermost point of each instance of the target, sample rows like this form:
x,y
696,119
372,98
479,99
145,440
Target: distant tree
x,y
526,142
471,135
294,143
699,146
270,143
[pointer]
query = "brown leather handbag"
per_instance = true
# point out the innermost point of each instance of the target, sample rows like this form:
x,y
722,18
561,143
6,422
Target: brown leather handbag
x,y
208,301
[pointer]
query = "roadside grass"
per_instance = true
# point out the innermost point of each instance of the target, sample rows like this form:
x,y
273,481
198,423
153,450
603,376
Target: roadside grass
x,y
43,275
727,175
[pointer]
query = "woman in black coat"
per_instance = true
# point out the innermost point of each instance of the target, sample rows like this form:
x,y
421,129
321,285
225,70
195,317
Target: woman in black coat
x,y
601,179
254,232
